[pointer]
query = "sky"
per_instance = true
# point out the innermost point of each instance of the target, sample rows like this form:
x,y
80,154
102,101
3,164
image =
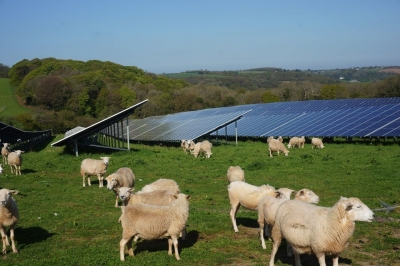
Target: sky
x,y
170,36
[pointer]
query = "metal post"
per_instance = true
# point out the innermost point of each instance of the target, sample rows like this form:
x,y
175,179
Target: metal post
x,y
236,132
76,148
127,132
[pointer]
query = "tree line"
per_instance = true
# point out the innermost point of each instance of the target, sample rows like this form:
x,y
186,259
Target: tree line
x,y
66,93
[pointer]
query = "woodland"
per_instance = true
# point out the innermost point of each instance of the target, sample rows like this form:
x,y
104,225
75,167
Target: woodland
x,y
63,94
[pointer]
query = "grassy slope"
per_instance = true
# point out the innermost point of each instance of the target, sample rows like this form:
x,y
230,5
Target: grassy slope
x,y
9,105
63,223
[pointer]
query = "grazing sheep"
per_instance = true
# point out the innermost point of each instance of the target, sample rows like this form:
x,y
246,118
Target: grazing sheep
x,y
280,139
301,142
242,193
320,230
235,173
123,177
268,206
316,142
184,146
293,142
190,146
276,146
90,167
9,216
15,161
206,147
5,150
162,184
154,222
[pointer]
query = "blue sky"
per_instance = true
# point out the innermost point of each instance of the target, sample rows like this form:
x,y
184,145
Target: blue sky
x,y
163,36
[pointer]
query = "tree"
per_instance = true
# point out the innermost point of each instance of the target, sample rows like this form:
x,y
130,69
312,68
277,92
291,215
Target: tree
x,y
128,97
268,97
53,92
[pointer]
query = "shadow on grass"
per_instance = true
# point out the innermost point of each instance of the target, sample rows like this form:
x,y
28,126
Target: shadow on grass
x,y
162,244
247,222
306,259
31,235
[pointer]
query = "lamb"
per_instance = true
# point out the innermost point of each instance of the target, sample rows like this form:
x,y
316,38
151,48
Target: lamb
x,y
162,184
235,173
301,142
316,142
5,150
15,161
206,147
276,146
123,177
242,193
9,217
90,167
154,222
321,230
293,142
268,206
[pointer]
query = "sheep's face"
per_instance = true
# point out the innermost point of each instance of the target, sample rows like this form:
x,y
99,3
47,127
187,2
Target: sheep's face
x,y
106,160
5,145
307,195
112,182
124,193
286,153
6,196
356,210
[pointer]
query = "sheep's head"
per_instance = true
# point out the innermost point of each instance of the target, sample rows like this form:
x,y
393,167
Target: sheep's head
x,y
284,193
124,193
112,181
286,152
356,210
106,160
6,196
307,195
6,145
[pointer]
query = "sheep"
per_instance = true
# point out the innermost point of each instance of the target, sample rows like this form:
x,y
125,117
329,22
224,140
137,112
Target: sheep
x,y
316,142
206,147
276,146
9,217
15,161
92,167
197,149
154,222
156,197
320,230
293,142
242,193
280,139
235,173
301,142
123,177
267,207
5,150
184,145
162,184
190,146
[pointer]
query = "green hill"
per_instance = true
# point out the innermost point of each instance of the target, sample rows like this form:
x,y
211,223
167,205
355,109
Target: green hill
x,y
9,105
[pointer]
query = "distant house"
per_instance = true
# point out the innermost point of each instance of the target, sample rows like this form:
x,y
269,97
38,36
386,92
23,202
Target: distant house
x,y
341,78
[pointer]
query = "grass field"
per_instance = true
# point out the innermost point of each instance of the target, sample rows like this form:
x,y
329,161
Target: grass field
x,y
9,105
63,223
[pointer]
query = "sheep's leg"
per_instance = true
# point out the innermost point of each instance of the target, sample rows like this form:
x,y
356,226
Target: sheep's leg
x,y
175,242
183,233
129,246
234,209
335,260
169,246
320,256
18,169
88,181
122,244
289,250
270,153
12,240
11,167
5,240
275,246
297,261
116,202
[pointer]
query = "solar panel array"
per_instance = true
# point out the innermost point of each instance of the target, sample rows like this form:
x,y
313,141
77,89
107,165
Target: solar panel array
x,y
376,117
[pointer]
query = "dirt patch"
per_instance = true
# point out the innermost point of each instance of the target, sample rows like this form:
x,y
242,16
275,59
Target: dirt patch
x,y
391,70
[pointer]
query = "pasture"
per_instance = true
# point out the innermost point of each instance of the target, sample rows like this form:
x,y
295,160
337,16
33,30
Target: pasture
x,y
63,223
9,105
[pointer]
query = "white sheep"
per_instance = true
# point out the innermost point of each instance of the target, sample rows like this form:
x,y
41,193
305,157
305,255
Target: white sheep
x,y
276,146
190,146
293,142
280,139
196,151
15,161
268,206
123,177
184,145
301,142
206,147
162,184
154,222
320,230
9,217
5,150
235,173
316,142
246,195
90,167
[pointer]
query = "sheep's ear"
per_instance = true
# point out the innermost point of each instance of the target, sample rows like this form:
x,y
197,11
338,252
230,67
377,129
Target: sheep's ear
x,y
301,192
349,206
14,192
131,189
277,194
188,197
116,189
343,198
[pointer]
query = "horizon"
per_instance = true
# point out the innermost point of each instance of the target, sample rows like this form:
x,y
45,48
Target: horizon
x,y
176,36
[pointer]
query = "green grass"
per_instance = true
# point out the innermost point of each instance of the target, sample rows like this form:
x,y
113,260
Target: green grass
x,y
9,105
63,223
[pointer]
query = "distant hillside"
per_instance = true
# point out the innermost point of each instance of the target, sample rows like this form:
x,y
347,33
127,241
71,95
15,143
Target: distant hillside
x,y
9,105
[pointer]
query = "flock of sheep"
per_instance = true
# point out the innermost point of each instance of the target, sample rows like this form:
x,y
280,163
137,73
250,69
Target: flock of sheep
x,y
306,227
276,145
160,210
